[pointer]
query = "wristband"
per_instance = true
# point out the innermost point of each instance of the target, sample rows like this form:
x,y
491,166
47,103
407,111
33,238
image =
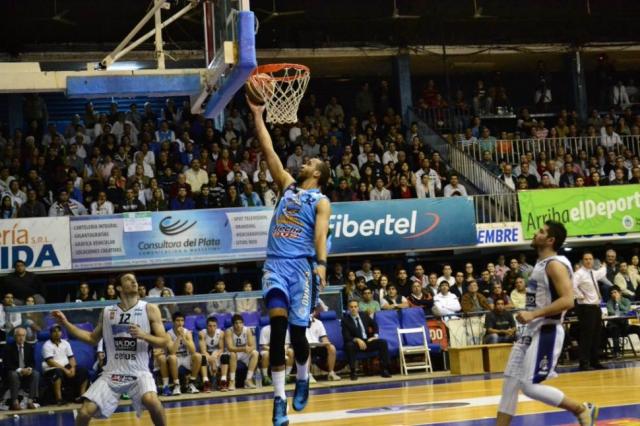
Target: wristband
x,y
322,263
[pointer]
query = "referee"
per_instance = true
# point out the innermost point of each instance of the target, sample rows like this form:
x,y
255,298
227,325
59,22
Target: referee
x,y
588,297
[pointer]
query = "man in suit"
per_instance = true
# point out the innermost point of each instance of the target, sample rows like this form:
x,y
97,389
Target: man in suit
x,y
360,333
19,363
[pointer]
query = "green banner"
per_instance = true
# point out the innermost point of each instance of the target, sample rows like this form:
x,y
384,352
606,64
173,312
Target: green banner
x,y
584,211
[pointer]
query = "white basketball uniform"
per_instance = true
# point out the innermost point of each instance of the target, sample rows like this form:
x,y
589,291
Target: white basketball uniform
x,y
127,369
213,344
242,340
182,354
535,355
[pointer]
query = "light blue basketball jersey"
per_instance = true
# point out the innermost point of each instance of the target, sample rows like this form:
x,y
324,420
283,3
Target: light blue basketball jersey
x,y
291,234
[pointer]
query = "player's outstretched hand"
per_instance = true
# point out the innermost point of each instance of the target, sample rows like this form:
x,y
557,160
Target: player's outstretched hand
x,y
257,110
59,317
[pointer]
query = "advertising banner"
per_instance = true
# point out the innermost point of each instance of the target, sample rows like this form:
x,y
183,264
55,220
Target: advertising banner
x,y
499,234
42,243
172,237
584,211
199,236
402,225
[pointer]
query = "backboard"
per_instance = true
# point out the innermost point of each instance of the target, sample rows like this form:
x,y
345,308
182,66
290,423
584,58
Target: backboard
x,y
230,54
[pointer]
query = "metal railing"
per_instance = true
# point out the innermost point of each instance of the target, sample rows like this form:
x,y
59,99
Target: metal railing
x,y
501,201
512,150
492,208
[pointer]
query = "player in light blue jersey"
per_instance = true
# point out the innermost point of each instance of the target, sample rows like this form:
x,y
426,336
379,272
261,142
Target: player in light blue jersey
x,y
296,265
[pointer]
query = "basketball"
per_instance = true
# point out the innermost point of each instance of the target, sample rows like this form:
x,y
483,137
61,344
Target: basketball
x,y
259,88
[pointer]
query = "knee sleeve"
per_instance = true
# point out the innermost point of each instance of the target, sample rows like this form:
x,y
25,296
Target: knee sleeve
x,y
279,327
299,343
509,399
224,359
277,299
546,394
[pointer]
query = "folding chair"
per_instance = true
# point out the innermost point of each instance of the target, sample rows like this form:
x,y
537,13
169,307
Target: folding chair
x,y
414,349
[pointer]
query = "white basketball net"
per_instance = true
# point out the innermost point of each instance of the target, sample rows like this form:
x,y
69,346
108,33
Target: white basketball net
x,y
289,85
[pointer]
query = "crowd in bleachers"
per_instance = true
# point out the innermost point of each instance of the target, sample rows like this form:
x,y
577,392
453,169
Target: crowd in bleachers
x,y
106,162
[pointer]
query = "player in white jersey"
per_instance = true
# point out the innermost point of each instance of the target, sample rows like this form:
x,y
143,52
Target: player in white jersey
x,y
535,355
129,328
182,357
211,341
241,345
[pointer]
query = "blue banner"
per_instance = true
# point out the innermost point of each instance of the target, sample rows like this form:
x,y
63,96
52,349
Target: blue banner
x,y
219,235
402,225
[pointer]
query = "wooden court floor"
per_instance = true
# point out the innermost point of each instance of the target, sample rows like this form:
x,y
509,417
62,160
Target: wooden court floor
x,y
445,401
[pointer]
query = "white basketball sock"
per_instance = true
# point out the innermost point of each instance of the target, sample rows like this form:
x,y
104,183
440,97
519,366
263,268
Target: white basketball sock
x,y
302,370
278,384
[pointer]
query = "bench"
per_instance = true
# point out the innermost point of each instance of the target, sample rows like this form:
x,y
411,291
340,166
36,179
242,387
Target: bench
x,y
478,359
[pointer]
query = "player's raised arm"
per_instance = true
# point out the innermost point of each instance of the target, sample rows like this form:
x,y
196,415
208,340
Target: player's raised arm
x,y
321,232
279,174
90,337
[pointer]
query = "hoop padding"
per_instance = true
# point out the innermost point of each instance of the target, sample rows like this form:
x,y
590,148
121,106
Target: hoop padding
x,y
287,84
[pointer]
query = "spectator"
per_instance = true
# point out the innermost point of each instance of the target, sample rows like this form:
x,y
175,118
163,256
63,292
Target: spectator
x,y
321,347
159,285
627,283
60,367
189,308
204,199
131,202
102,206
22,284
167,310
374,282
379,192
393,300
246,304
488,163
8,321
7,209
611,264
507,177
220,306
368,305
473,301
182,201
619,307
66,206
486,142
337,277
432,286
196,177
420,298
20,366
403,283
32,207
366,271
519,294
250,198
509,279
500,269
157,203
619,95
232,199
142,291
458,287
446,275
454,188
497,293
360,334
110,292
445,303
419,276
241,343
499,325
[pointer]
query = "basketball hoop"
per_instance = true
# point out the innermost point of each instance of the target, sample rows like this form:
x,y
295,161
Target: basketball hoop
x,y
282,87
